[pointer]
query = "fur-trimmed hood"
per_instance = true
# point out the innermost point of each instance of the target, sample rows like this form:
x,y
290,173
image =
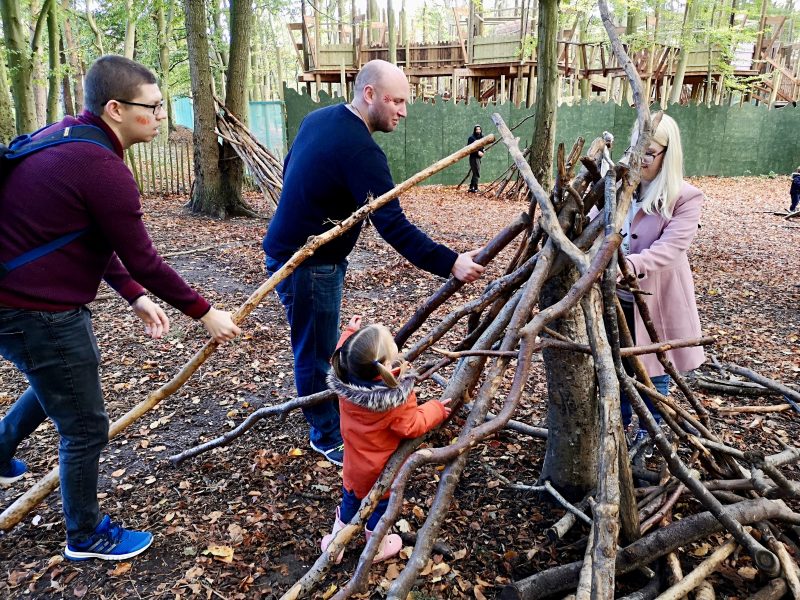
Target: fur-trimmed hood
x,y
377,398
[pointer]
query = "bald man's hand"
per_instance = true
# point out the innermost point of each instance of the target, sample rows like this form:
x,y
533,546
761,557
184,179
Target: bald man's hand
x,y
465,268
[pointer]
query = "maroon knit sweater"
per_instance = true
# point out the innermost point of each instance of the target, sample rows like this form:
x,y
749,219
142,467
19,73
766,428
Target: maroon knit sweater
x,y
67,188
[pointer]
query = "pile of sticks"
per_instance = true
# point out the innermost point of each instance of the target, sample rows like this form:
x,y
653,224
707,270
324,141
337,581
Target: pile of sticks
x,y
630,529
265,169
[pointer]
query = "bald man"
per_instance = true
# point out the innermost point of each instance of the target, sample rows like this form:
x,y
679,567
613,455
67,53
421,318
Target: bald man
x,y
333,168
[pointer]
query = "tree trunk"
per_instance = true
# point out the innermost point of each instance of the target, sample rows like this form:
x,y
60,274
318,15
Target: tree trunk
x,y
570,461
66,83
130,30
544,129
20,62
211,195
54,76
583,28
73,61
241,24
164,23
98,37
7,129
392,32
687,42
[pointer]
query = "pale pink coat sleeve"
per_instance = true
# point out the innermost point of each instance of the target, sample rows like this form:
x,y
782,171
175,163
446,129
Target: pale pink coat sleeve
x,y
673,242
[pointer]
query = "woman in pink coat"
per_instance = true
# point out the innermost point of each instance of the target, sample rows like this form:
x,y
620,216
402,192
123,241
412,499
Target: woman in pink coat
x,y
660,226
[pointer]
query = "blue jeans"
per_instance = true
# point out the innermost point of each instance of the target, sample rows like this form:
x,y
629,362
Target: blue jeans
x,y
350,504
662,387
312,297
58,354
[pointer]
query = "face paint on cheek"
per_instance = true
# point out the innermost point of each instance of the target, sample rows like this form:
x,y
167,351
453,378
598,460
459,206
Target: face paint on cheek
x,y
387,98
142,120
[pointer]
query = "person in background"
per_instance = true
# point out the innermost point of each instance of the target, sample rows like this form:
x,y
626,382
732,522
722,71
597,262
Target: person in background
x,y
475,160
794,191
45,327
333,168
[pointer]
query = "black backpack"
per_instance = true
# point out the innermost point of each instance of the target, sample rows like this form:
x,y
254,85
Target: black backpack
x,y
25,145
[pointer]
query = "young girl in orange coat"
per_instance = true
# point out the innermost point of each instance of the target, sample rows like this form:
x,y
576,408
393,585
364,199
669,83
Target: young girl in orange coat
x,y
378,408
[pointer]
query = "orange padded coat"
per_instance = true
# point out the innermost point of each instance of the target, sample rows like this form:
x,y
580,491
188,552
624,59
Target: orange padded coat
x,y
374,420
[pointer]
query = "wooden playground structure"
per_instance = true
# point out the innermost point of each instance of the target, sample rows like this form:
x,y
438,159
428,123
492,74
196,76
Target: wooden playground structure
x,y
490,61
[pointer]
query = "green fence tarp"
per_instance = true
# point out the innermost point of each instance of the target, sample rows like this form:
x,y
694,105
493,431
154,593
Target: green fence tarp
x,y
717,140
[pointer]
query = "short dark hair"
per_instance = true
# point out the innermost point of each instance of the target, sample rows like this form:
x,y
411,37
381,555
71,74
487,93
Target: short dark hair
x,y
370,74
114,77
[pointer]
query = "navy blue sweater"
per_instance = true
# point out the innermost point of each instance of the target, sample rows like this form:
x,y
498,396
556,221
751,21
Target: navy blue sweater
x,y
333,168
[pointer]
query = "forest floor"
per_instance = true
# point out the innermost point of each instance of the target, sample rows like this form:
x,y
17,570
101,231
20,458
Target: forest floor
x,y
245,521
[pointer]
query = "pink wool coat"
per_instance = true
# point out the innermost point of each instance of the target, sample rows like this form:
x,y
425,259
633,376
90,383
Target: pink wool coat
x,y
659,260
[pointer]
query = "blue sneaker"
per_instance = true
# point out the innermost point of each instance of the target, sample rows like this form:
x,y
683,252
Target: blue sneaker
x,y
334,455
14,471
110,542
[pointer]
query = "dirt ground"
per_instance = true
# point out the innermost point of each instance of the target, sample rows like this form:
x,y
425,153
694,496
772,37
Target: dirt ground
x,y
245,521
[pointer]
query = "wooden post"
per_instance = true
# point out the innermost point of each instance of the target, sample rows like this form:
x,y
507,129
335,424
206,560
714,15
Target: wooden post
x,y
343,81
153,183
173,185
502,89
776,83
531,96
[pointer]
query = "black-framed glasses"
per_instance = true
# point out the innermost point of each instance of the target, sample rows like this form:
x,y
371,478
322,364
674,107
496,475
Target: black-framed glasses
x,y
648,157
154,107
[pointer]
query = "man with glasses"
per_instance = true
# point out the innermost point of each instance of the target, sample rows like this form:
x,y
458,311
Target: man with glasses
x,y
85,192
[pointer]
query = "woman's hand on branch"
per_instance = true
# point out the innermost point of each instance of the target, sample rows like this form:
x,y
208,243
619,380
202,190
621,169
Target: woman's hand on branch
x,y
220,325
465,268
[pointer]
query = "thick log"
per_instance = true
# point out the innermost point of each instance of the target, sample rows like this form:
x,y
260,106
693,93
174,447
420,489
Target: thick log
x,y
649,548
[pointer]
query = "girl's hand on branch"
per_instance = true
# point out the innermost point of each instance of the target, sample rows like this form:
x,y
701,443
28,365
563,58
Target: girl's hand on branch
x,y
447,409
156,322
355,323
220,325
465,269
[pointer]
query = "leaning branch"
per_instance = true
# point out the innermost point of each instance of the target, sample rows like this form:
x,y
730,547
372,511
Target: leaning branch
x,y
25,503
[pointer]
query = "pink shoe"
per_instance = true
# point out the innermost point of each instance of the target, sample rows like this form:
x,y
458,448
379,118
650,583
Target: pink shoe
x,y
390,546
338,525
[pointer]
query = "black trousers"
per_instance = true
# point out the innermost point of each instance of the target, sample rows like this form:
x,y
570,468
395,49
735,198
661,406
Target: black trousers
x,y
475,168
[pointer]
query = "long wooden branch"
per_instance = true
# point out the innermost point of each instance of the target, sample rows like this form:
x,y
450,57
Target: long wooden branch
x,y
492,249
279,410
644,312
450,477
765,381
25,503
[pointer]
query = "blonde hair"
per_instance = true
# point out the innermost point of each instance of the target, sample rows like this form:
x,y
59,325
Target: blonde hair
x,y
665,188
366,355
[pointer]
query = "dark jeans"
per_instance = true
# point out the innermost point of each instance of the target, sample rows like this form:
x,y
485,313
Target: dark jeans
x,y
349,508
312,297
660,381
475,168
795,194
58,354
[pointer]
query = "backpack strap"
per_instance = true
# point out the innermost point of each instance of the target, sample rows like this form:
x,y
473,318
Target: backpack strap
x,y
27,144
39,252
